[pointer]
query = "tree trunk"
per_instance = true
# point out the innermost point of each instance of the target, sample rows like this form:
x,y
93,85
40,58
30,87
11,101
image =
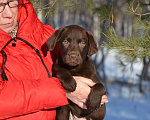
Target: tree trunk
x,y
146,64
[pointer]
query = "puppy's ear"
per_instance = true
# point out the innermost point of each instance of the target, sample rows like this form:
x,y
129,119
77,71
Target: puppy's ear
x,y
92,44
51,41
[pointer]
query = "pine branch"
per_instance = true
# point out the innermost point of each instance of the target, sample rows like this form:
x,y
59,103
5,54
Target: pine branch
x,y
132,47
138,44
112,13
46,6
50,7
135,10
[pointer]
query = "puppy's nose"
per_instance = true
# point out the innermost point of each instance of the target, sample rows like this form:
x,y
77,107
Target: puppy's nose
x,y
73,57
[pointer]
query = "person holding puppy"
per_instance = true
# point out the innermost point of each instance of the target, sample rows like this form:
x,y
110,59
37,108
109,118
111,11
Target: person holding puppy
x,y
27,89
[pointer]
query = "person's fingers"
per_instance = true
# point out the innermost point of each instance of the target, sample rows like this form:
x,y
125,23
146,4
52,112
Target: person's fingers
x,y
82,105
104,99
77,96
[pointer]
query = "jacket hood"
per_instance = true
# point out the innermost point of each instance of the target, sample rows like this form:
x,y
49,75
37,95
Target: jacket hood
x,y
29,26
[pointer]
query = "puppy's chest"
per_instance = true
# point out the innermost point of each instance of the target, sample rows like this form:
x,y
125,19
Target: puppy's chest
x,y
78,72
84,71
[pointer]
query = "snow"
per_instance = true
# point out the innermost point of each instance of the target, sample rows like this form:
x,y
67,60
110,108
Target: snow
x,y
112,64
125,103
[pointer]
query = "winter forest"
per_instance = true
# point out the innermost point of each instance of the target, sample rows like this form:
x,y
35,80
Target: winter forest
x,y
122,31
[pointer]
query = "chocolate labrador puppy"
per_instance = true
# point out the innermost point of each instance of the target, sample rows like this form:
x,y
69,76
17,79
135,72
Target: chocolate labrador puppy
x,y
76,46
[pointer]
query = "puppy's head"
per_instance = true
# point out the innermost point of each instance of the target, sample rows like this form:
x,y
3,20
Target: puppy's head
x,y
75,43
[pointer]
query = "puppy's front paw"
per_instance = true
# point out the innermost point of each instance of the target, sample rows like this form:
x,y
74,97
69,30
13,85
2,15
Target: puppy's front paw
x,y
70,85
67,82
94,104
95,96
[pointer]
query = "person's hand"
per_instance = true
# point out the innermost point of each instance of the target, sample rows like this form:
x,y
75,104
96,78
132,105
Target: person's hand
x,y
80,95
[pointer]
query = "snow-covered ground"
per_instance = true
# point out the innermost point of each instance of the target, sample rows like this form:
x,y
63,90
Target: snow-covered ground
x,y
115,71
125,103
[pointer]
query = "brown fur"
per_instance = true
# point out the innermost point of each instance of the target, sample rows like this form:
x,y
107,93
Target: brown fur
x,y
77,45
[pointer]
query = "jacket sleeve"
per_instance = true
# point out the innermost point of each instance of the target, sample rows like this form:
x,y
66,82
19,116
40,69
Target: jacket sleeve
x,y
27,96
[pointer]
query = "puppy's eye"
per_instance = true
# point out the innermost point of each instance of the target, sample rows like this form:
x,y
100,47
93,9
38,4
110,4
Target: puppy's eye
x,y
82,43
65,42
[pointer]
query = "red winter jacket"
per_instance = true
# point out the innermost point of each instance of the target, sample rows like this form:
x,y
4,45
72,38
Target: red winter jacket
x,y
28,94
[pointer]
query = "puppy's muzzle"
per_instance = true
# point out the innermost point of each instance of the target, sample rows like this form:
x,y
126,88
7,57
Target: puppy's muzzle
x,y
73,58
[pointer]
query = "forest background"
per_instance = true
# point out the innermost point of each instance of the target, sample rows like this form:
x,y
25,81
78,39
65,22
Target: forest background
x,y
122,31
